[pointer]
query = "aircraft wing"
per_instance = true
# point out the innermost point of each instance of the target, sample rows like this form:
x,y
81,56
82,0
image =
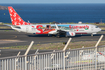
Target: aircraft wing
x,y
65,32
7,25
12,26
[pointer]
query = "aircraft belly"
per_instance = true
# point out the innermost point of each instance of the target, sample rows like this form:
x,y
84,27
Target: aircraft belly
x,y
81,33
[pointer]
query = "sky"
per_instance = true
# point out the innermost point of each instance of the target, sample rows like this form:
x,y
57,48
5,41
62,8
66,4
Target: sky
x,y
52,1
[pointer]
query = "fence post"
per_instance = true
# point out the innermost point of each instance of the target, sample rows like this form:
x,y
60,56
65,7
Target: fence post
x,y
18,53
36,51
64,52
96,51
52,55
27,53
80,53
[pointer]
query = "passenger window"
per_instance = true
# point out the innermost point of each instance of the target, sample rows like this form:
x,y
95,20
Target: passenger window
x,y
33,29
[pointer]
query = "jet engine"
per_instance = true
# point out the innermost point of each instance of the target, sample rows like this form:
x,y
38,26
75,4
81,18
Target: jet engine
x,y
70,34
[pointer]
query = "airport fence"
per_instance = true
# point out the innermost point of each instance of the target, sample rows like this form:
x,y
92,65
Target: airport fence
x,y
91,58
72,59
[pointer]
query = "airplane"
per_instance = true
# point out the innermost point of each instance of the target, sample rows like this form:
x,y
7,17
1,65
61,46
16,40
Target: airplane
x,y
51,29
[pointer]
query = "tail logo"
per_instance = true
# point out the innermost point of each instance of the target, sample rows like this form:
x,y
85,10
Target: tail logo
x,y
15,18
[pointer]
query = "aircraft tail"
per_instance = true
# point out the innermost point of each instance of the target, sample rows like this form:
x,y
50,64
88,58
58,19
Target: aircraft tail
x,y
15,18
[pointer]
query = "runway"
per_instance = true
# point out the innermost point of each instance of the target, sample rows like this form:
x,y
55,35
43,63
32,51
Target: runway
x,y
10,38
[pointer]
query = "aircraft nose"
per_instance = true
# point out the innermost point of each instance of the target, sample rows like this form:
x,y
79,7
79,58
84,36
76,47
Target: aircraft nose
x,y
99,29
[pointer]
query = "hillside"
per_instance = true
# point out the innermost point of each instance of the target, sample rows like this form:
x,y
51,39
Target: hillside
x,y
3,7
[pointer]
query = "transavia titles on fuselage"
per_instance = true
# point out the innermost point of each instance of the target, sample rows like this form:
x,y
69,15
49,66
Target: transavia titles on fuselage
x,y
54,29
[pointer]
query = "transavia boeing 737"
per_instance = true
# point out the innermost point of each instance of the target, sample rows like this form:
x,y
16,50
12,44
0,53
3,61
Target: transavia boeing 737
x,y
53,29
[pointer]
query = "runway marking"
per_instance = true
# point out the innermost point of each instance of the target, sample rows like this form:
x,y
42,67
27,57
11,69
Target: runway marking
x,y
5,41
15,37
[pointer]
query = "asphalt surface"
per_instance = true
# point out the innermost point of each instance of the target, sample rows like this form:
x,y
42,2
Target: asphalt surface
x,y
13,38
9,37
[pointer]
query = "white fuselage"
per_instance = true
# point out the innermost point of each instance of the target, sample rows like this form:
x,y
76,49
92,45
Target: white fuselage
x,y
51,28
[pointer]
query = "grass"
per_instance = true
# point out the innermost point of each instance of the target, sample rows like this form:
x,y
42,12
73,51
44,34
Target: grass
x,y
102,28
5,27
57,46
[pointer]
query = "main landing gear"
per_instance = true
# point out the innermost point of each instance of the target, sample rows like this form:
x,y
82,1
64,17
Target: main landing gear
x,y
58,35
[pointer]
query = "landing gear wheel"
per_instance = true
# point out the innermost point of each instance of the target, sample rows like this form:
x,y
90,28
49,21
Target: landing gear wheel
x,y
66,36
58,35
91,34
53,35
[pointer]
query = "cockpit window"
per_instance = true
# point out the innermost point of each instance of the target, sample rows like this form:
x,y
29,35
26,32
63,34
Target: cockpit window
x,y
96,26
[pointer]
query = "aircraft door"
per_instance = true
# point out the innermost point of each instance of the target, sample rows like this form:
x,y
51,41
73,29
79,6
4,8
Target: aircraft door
x,y
92,28
27,29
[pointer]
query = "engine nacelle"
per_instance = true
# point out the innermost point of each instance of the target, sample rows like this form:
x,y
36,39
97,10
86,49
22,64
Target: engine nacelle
x,y
70,34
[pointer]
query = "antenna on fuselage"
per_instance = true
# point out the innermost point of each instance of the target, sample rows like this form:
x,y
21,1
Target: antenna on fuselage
x,y
28,21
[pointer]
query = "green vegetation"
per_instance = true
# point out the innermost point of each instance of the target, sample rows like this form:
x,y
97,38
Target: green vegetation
x,y
57,46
